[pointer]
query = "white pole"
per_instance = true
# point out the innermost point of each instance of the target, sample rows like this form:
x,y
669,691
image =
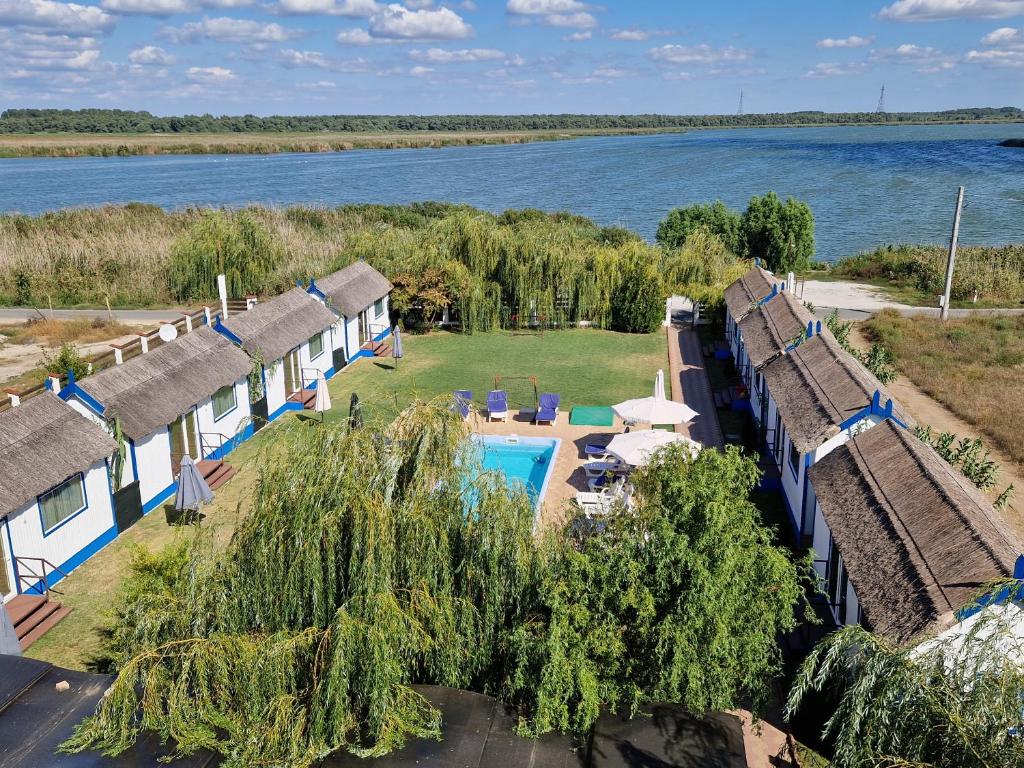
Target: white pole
x,y
944,312
668,312
222,288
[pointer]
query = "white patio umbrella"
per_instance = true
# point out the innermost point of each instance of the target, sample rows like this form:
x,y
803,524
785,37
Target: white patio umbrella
x,y
192,488
635,448
9,643
323,397
656,409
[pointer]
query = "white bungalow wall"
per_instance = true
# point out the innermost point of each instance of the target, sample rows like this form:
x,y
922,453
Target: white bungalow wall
x,y
823,546
273,377
321,363
152,455
69,544
231,424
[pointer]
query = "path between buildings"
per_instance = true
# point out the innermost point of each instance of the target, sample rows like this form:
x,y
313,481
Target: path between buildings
x,y
690,385
857,301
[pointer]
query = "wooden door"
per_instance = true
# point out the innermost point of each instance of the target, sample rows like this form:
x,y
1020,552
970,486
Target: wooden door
x,y
292,373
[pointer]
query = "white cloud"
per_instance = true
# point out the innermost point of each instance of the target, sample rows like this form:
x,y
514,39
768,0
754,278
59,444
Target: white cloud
x,y
31,52
554,13
678,76
420,71
230,30
853,41
581,20
150,55
578,37
359,9
698,54
924,59
210,75
836,69
636,34
1004,36
69,18
417,4
943,10
395,23
168,7
1005,49
441,56
294,59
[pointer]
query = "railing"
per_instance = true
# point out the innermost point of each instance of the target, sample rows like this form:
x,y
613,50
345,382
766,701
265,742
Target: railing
x,y
210,443
376,331
41,576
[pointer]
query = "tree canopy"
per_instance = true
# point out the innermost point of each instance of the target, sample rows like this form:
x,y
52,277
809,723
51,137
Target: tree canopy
x,y
378,558
716,218
782,234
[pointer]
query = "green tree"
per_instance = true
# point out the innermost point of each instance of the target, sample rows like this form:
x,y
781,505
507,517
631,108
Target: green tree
x,y
930,704
638,302
782,234
716,218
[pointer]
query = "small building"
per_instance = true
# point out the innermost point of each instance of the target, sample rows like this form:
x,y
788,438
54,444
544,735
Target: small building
x,y
772,329
742,297
189,396
56,505
292,337
358,295
903,539
814,399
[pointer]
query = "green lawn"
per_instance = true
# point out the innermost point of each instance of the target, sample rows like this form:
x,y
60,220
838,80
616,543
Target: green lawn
x,y
585,366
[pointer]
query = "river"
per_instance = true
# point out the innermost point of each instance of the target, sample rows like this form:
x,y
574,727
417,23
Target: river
x,y
866,185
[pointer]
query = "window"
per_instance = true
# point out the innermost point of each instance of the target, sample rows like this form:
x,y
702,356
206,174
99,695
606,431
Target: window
x,y
794,459
224,401
378,307
316,346
61,503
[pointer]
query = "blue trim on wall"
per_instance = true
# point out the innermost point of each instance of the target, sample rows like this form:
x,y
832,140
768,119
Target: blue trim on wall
x,y
219,327
316,291
383,335
76,560
874,409
73,390
329,373
770,296
73,515
288,406
232,443
160,498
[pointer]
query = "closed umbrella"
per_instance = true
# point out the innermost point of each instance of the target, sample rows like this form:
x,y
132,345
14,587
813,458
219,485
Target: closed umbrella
x,y
659,385
323,397
9,643
192,488
355,412
635,448
396,346
656,409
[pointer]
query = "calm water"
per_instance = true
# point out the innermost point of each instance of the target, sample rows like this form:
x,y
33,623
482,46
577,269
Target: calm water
x,y
527,462
867,185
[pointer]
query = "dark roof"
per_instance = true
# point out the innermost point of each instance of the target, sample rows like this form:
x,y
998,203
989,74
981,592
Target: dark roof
x,y
918,539
43,442
277,325
354,288
151,390
476,732
772,327
818,386
743,294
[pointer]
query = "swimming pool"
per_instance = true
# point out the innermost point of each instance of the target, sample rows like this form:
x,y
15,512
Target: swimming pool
x,y
523,460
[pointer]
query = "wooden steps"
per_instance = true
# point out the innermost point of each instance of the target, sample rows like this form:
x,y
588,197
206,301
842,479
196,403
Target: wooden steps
x,y
378,348
33,616
305,396
215,472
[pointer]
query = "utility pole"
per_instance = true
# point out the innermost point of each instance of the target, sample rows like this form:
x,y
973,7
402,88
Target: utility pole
x,y
880,109
944,312
740,110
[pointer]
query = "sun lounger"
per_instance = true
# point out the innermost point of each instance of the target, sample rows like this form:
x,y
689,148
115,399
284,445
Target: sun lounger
x,y
594,504
606,484
599,468
463,403
597,451
497,405
548,409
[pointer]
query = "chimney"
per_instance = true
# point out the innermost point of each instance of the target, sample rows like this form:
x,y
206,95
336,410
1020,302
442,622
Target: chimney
x,y
222,289
144,343
250,301
188,321
14,396
53,384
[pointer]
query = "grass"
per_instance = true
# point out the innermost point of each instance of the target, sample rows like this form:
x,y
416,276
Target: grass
x,y
53,332
973,366
585,366
125,144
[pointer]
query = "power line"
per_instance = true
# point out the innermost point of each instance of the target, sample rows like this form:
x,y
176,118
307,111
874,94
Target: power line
x,y
881,101
739,110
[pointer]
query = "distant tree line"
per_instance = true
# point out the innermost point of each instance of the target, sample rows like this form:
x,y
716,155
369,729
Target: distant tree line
x,y
126,121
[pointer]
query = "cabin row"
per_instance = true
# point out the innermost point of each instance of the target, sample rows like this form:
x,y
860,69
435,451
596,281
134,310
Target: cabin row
x,y
901,540
85,459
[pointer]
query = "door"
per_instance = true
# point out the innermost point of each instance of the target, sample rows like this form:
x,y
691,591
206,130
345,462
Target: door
x,y
184,440
292,373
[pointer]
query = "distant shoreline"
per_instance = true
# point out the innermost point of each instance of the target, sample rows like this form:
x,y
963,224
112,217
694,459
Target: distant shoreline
x,y
71,145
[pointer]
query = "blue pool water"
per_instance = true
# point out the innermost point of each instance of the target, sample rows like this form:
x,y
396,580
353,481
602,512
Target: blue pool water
x,y
526,461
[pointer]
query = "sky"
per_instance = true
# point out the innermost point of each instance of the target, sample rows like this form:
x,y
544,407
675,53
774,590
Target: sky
x,y
510,56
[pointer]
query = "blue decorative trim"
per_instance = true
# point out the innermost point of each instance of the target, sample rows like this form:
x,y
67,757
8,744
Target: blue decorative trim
x,y
313,289
85,504
220,328
874,409
329,373
74,390
288,406
383,335
361,353
160,498
232,443
76,560
770,296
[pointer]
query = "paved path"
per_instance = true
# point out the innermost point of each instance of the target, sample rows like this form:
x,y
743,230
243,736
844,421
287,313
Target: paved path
x,y
128,316
690,385
857,301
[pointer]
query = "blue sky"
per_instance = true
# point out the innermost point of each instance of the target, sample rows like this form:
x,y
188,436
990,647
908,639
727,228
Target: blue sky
x,y
510,56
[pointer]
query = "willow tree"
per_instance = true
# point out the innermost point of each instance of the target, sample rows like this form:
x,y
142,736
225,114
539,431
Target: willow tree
x,y
949,702
376,559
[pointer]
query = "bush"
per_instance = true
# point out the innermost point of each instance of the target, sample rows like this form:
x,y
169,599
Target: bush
x,y
638,303
782,234
67,359
716,218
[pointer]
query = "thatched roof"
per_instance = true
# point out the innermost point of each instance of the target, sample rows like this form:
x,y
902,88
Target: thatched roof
x,y
43,442
280,324
772,327
744,293
354,288
917,538
818,386
151,390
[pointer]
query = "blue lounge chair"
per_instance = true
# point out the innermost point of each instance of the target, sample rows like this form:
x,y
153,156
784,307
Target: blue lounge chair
x,y
497,405
463,403
548,410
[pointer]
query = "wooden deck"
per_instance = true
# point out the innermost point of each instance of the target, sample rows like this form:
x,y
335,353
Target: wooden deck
x,y
33,616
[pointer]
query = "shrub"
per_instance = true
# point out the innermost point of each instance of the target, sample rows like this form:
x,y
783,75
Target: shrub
x,y
782,234
716,218
67,359
638,303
